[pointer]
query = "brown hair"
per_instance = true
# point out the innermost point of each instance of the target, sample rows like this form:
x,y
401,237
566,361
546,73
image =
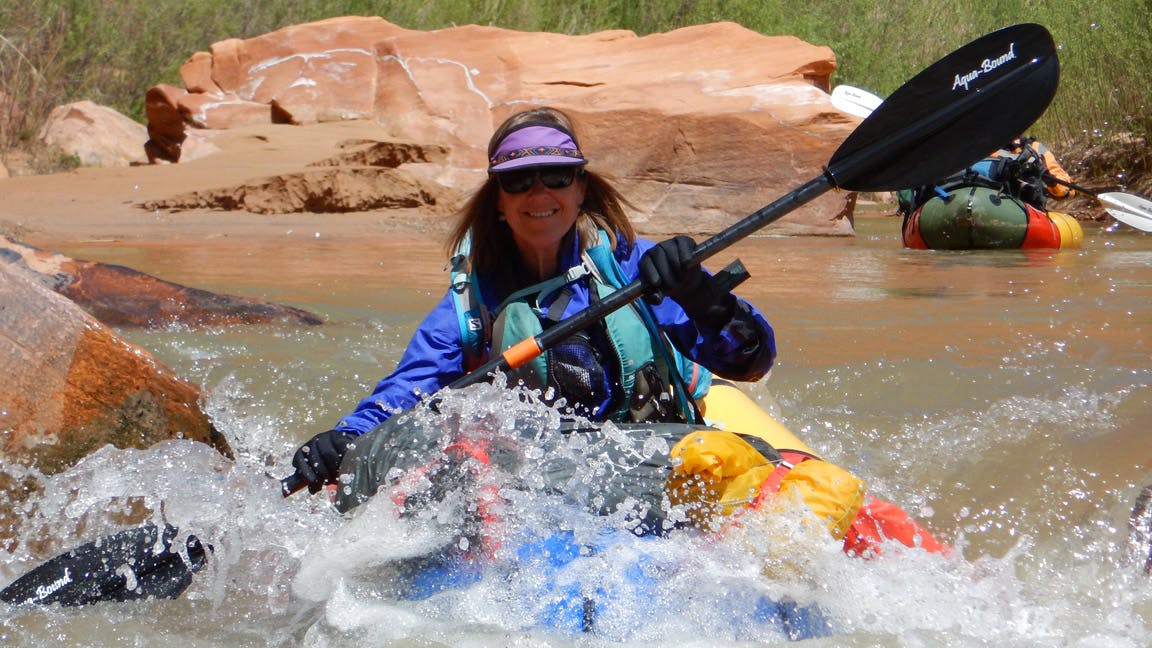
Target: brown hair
x,y
492,242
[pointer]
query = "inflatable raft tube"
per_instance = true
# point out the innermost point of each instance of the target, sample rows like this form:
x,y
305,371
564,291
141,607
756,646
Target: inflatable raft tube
x,y
727,407
406,442
568,594
980,218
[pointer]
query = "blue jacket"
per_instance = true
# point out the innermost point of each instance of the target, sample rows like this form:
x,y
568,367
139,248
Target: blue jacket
x,y
744,349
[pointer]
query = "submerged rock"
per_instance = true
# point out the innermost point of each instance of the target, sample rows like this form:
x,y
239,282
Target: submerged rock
x,y
71,386
119,296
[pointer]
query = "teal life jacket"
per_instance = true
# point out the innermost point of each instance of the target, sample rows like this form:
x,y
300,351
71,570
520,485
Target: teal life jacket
x,y
471,311
657,383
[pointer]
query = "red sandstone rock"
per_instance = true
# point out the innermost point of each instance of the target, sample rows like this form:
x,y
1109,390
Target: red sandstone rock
x,y
699,126
165,123
97,135
196,73
202,110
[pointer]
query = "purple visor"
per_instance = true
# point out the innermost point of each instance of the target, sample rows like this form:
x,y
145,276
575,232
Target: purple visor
x,y
535,146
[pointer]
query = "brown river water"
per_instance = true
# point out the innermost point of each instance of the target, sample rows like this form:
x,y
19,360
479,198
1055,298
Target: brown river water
x,y
1002,397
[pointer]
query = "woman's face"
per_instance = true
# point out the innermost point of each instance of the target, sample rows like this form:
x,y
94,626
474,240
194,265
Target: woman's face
x,y
540,216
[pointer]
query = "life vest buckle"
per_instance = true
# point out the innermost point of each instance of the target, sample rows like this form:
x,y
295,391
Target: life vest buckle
x,y
576,272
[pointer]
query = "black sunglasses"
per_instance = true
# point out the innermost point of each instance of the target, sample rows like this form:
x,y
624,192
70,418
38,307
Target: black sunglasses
x,y
552,177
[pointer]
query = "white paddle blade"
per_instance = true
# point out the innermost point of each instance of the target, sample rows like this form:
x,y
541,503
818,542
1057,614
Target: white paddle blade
x,y
854,101
1128,209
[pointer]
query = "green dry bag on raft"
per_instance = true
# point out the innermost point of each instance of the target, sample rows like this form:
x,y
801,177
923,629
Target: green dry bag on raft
x,y
973,218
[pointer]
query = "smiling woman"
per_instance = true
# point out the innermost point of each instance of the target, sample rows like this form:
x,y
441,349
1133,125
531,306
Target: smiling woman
x,y
539,170
544,238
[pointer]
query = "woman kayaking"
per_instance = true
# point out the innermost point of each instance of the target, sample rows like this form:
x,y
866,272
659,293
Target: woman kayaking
x,y
546,238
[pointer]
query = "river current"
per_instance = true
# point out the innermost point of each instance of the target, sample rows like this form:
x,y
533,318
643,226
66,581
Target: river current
x,y
1001,397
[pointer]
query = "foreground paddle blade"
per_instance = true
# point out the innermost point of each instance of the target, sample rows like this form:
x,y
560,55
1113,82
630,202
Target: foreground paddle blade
x,y
854,101
955,112
132,564
1133,211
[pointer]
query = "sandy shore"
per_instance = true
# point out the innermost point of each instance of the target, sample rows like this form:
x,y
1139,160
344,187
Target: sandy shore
x,y
103,204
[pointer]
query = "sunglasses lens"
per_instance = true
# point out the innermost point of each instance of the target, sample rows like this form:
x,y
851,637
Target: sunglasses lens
x,y
515,182
557,177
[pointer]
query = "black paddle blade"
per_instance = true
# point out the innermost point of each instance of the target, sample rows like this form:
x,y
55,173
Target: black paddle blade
x,y
132,564
963,107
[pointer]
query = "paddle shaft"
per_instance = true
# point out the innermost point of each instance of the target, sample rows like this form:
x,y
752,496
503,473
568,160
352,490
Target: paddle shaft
x,y
1087,192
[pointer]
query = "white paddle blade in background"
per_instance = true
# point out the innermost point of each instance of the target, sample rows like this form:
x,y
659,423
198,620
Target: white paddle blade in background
x,y
854,101
1128,209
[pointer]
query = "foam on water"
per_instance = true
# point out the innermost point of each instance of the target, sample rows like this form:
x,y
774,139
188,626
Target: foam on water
x,y
295,571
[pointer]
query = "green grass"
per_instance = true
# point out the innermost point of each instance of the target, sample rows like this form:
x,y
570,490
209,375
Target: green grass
x,y
111,51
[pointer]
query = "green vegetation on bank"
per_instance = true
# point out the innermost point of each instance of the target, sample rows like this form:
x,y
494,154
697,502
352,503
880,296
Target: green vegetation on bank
x,y
111,51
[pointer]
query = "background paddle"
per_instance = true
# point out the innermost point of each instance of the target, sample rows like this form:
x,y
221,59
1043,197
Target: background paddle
x,y
1129,209
943,119
854,101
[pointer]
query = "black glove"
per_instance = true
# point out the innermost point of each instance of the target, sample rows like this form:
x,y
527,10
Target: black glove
x,y
318,461
668,268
